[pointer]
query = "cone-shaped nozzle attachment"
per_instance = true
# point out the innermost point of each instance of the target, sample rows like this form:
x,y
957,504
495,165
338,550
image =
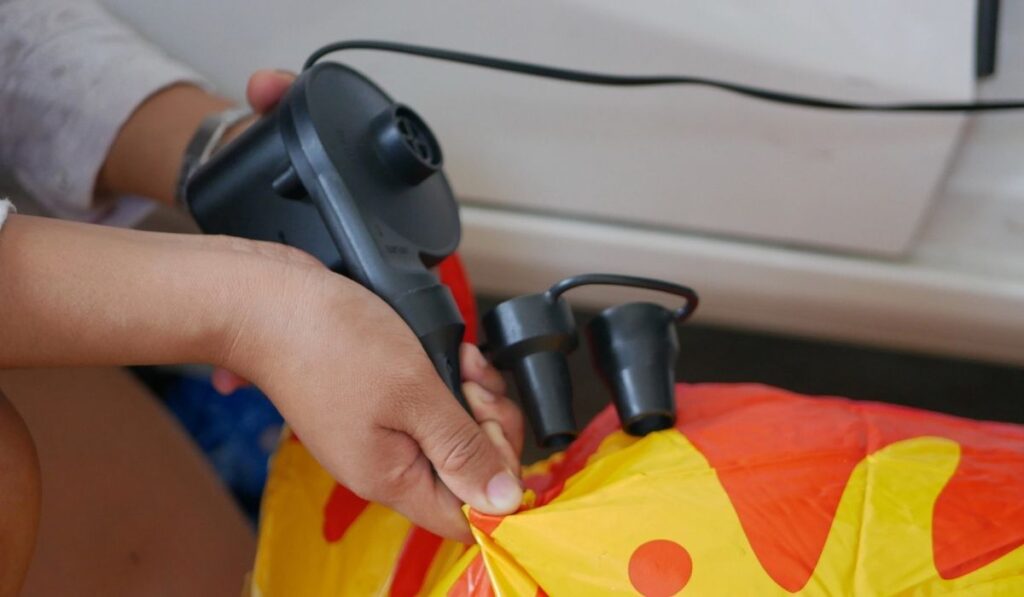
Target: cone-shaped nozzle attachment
x,y
531,335
546,389
634,347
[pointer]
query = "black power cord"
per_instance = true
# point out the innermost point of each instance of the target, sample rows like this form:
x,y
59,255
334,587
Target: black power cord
x,y
578,76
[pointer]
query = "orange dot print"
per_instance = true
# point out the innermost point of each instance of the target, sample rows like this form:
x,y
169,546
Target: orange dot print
x,y
660,568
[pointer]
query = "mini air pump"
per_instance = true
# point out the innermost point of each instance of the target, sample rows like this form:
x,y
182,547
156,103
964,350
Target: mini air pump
x,y
341,171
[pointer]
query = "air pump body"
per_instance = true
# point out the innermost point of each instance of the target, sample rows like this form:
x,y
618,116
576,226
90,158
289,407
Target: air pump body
x,y
341,171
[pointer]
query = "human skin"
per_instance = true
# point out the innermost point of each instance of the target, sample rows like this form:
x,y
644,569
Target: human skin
x,y
342,367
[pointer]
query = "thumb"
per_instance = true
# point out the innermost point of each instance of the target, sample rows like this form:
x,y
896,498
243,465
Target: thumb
x,y
266,87
465,459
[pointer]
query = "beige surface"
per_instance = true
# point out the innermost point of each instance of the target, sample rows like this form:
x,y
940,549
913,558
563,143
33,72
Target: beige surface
x,y
129,505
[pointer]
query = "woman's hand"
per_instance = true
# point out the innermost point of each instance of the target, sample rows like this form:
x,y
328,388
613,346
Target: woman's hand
x,y
483,387
354,383
343,368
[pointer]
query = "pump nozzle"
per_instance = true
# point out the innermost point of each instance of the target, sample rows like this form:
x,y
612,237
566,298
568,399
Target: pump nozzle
x,y
531,335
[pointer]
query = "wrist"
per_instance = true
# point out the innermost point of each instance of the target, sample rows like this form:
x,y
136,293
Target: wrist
x,y
270,305
145,158
300,316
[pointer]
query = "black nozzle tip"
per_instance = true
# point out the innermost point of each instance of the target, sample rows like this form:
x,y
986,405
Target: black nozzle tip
x,y
558,441
649,422
406,145
531,335
634,347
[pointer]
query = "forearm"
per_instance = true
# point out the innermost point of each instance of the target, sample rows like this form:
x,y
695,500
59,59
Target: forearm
x,y
76,294
145,158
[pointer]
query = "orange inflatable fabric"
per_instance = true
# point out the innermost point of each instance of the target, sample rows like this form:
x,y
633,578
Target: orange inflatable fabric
x,y
756,491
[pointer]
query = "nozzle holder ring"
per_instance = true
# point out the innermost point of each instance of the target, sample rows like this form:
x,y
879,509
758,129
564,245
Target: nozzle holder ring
x,y
679,315
634,347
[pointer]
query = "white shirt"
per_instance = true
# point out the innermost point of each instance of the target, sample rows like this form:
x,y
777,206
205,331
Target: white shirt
x,y
6,207
70,76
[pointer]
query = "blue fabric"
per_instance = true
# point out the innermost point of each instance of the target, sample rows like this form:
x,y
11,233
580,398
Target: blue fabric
x,y
237,432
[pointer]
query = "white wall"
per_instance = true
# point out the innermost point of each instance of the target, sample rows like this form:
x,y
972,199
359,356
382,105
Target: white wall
x,y
679,159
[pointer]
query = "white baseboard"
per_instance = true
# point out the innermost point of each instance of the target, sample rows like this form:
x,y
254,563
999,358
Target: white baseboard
x,y
904,305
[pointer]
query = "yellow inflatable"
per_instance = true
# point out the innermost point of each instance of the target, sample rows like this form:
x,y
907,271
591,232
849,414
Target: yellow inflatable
x,y
756,491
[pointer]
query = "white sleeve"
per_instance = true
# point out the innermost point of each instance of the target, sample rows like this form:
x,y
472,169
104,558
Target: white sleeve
x,y
70,76
6,207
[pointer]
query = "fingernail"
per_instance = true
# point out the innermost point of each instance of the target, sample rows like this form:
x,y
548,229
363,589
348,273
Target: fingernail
x,y
221,381
504,492
478,393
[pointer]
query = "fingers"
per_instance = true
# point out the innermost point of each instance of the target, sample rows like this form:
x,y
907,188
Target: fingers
x,y
464,456
266,87
485,391
226,382
405,482
476,368
494,432
497,413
